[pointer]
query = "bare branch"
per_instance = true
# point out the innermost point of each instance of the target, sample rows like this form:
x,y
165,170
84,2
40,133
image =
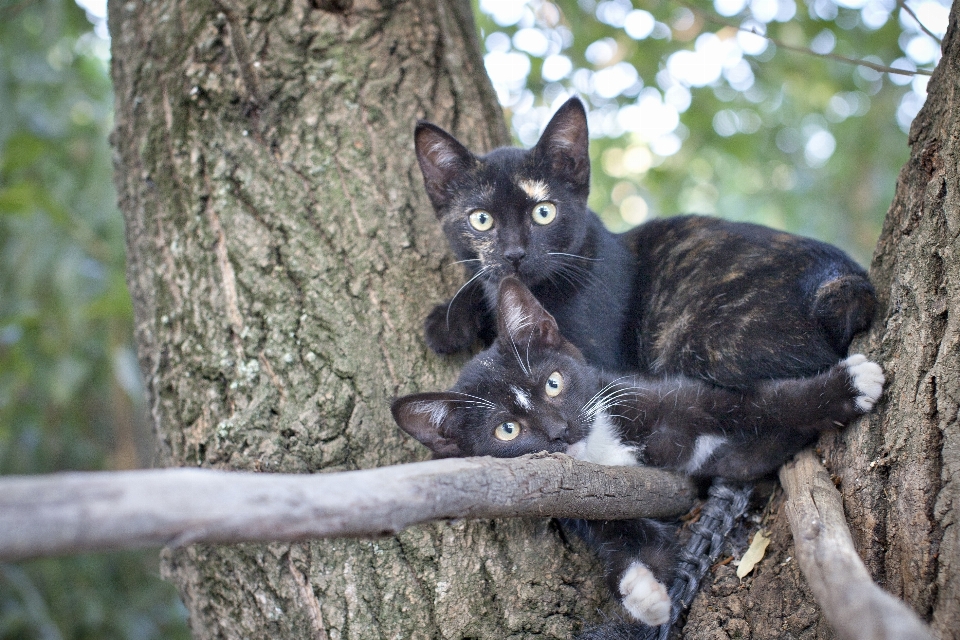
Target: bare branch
x,y
855,607
709,17
923,27
73,512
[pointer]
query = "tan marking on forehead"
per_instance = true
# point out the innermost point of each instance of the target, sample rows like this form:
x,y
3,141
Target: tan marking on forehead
x,y
536,189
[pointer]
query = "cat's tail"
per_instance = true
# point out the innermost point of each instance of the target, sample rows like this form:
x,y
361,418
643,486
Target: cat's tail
x,y
725,505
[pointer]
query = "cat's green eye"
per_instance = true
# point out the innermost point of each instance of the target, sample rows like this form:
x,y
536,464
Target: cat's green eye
x,y
554,384
544,213
481,220
507,431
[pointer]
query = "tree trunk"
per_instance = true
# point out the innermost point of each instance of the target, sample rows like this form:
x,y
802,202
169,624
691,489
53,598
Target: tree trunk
x,y
898,468
282,257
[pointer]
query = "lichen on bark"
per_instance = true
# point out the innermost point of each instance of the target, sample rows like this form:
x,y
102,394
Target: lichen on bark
x,y
282,256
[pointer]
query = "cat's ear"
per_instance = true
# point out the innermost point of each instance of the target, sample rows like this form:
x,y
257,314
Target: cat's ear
x,y
427,417
442,158
564,145
521,318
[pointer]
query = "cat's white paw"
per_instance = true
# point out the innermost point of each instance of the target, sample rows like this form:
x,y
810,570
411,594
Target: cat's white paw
x,y
644,597
867,378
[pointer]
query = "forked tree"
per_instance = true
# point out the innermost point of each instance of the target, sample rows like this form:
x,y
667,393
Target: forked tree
x,y
282,255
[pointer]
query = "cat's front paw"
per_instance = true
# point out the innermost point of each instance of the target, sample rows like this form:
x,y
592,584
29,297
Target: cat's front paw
x,y
447,333
645,597
867,378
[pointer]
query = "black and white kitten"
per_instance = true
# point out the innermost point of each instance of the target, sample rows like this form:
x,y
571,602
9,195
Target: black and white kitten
x,y
532,390
722,301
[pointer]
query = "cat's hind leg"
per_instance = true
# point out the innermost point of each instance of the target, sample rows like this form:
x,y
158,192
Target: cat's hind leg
x,y
640,557
643,596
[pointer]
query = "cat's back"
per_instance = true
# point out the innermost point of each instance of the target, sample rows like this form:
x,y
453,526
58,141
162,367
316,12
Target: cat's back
x,y
735,302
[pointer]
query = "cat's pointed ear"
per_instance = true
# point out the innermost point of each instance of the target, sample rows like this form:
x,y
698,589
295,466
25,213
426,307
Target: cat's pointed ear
x,y
522,319
442,158
565,145
427,417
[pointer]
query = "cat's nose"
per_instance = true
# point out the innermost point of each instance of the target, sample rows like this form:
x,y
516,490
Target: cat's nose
x,y
557,432
515,255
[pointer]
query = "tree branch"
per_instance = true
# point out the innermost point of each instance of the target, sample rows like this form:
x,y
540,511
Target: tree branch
x,y
923,27
710,17
74,512
855,607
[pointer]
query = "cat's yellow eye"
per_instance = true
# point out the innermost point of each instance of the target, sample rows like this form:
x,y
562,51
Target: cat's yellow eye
x,y
554,384
481,220
507,431
544,213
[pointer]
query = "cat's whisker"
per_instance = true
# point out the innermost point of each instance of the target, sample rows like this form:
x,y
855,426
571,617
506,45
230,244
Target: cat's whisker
x,y
573,255
571,281
450,264
605,404
519,359
479,273
477,399
470,402
599,395
577,274
608,386
587,276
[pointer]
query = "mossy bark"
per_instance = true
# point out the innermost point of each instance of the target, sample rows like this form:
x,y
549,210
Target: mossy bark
x,y
282,256
898,468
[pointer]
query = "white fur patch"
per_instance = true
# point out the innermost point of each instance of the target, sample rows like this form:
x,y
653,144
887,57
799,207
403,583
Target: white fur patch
x,y
522,397
603,446
536,189
867,378
644,597
703,448
436,411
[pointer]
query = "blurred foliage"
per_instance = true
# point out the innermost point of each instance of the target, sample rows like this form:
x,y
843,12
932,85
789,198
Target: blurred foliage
x,y
70,396
690,113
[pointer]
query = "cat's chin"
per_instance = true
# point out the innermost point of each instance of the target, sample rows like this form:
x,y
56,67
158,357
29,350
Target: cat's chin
x,y
577,450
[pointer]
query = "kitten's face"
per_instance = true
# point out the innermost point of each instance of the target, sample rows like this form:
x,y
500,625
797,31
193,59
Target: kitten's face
x,y
512,211
528,392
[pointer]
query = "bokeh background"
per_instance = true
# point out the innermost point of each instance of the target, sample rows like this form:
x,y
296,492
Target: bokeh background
x,y
690,111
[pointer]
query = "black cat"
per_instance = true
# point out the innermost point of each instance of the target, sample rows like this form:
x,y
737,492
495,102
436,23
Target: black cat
x,y
727,302
532,390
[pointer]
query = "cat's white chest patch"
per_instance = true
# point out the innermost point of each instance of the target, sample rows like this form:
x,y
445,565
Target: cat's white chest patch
x,y
603,445
703,448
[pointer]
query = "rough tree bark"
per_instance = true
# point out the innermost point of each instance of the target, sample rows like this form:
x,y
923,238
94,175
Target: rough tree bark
x,y
282,256
897,469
